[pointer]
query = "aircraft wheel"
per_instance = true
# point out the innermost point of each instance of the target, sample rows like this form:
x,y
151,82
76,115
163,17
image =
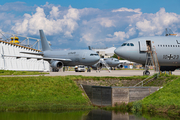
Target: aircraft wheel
x,y
146,73
88,70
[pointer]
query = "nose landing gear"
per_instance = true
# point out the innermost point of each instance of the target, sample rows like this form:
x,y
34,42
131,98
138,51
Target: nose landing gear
x,y
146,72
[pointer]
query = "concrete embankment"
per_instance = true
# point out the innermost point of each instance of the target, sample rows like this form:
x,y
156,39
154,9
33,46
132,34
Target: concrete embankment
x,y
111,96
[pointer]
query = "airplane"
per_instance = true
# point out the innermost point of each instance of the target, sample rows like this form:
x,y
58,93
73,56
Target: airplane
x,y
58,59
111,62
166,47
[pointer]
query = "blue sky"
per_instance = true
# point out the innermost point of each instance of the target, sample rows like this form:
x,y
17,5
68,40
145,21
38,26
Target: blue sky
x,y
75,24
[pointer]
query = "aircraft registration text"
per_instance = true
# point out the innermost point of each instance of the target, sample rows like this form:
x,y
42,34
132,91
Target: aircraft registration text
x,y
170,57
72,53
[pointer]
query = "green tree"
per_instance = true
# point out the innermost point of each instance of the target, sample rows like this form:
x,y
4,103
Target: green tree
x,y
119,58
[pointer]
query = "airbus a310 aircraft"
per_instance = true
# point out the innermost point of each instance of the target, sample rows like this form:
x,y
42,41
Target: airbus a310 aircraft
x,y
58,59
166,47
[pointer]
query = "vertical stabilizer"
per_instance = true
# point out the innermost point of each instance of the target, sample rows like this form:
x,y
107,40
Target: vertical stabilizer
x,y
44,42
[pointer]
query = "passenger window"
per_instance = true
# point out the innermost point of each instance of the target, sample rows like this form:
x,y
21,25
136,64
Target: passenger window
x,y
168,45
161,45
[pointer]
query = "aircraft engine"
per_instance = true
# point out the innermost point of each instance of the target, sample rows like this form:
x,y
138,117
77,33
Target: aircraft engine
x,y
97,66
56,66
120,66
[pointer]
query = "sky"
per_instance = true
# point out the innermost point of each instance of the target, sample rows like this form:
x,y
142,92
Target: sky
x,y
77,24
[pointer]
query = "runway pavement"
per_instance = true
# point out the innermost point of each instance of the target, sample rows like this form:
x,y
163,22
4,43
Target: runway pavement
x,y
114,73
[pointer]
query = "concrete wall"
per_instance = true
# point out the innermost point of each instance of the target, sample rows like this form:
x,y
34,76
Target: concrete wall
x,y
110,96
21,64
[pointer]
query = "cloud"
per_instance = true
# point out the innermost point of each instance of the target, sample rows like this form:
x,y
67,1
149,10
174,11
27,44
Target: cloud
x,y
155,24
39,20
16,6
69,27
127,10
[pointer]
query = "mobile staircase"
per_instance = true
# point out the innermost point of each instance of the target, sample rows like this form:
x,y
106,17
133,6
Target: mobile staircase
x,y
106,65
151,60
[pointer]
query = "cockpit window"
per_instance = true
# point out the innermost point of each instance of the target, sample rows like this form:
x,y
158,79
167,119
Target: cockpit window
x,y
127,44
124,44
131,44
93,54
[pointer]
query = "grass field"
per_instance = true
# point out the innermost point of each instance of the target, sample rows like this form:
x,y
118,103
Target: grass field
x,y
62,93
40,93
11,72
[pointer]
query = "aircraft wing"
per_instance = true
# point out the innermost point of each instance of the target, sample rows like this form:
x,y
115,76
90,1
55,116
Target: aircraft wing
x,y
18,56
31,53
39,58
58,59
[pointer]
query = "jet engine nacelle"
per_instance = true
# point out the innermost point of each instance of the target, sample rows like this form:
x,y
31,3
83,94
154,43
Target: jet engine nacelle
x,y
97,66
120,66
56,66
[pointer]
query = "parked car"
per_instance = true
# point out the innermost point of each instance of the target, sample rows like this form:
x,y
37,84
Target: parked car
x,y
80,68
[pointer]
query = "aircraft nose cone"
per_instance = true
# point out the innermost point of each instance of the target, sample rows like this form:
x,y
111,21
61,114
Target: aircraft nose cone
x,y
120,52
98,58
117,51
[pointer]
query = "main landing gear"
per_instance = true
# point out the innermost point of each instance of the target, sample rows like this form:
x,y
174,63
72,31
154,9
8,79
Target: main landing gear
x,y
89,69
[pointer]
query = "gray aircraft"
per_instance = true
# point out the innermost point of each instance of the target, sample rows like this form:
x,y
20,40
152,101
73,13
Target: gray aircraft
x,y
166,47
58,59
112,62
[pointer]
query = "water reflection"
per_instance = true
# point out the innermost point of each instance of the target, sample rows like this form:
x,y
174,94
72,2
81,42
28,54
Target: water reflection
x,y
110,115
75,115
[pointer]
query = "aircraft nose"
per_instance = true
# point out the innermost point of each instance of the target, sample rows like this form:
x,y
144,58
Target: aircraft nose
x,y
119,52
97,58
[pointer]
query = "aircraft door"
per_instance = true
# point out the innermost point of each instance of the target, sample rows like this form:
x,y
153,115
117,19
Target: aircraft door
x,y
84,55
142,46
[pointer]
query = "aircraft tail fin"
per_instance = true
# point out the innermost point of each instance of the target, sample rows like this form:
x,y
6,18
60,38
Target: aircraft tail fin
x,y
44,42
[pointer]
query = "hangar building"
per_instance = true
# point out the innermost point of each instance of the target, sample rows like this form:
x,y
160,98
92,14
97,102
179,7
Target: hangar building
x,y
12,59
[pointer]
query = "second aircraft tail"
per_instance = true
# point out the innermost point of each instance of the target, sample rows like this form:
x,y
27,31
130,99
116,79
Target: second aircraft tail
x,y
44,42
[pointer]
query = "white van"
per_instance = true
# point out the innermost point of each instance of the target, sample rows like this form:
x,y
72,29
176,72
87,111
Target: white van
x,y
80,68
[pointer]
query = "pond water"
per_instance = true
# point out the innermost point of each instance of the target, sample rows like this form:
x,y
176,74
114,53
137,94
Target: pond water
x,y
74,115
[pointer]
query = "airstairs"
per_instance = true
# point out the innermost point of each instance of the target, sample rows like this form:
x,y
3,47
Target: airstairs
x,y
106,65
151,60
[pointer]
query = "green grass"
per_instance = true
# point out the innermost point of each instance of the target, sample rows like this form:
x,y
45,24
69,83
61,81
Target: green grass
x,y
11,72
40,93
62,93
168,95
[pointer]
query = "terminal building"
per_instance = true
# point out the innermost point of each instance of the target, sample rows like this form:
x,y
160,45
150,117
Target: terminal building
x,y
12,59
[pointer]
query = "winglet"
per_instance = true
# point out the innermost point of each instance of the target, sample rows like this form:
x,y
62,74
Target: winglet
x,y
44,42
